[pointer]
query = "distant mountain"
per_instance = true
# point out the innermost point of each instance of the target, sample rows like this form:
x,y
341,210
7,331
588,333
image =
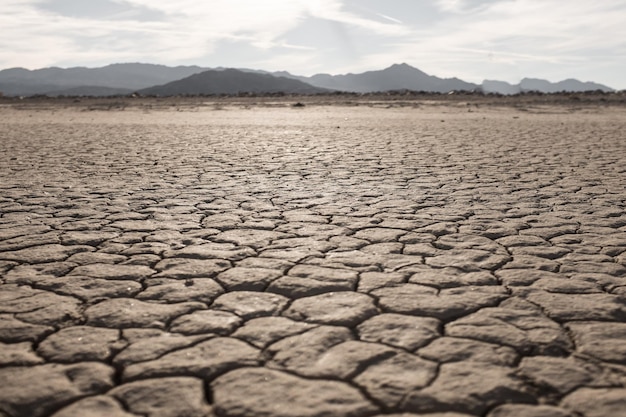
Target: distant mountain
x,y
543,86
20,81
232,81
94,91
396,77
500,87
118,79
533,84
25,89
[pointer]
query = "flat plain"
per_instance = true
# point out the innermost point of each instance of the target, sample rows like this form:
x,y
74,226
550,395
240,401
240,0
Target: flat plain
x,y
343,257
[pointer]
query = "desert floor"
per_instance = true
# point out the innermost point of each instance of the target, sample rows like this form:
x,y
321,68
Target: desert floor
x,y
355,257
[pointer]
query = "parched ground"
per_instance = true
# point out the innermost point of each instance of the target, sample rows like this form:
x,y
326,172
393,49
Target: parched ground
x,y
243,259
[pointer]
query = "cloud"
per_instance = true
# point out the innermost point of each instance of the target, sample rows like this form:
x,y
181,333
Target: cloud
x,y
470,39
168,30
511,39
392,19
464,6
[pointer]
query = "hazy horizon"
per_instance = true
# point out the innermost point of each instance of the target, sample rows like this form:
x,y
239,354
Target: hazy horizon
x,y
473,40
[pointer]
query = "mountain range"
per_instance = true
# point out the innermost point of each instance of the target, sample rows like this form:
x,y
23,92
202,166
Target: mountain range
x,y
149,79
232,81
122,78
396,77
535,84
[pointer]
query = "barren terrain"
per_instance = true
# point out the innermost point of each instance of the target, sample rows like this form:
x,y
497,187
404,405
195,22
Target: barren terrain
x,y
351,256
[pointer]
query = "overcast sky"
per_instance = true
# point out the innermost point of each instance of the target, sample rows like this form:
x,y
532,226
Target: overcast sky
x,y
470,39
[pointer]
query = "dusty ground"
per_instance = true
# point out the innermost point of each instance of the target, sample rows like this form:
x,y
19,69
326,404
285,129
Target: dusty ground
x,y
244,257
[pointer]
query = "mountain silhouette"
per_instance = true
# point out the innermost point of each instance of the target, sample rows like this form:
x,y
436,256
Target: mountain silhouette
x,y
20,81
232,81
542,86
396,77
121,79
89,90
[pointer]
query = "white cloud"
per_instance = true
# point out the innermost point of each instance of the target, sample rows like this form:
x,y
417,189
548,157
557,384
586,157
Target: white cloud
x,y
471,39
511,39
190,29
392,19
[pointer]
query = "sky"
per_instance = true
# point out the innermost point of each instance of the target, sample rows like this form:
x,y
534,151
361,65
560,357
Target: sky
x,y
473,40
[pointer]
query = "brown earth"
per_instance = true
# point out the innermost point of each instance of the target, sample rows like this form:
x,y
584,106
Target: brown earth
x,y
356,256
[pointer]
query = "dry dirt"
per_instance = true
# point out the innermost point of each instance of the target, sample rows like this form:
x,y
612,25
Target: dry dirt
x,y
348,257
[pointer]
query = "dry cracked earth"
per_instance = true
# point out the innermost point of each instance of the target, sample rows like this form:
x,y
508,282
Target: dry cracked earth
x,y
321,261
